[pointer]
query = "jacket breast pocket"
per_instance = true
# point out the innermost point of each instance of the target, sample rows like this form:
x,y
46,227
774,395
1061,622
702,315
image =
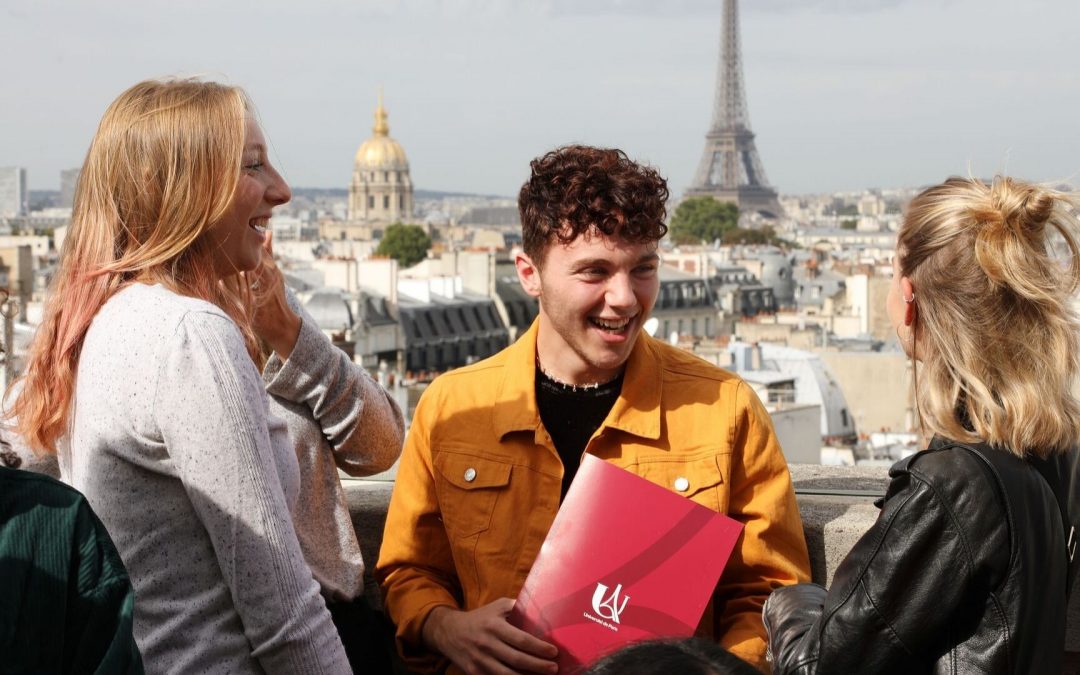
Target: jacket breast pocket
x,y
468,487
696,478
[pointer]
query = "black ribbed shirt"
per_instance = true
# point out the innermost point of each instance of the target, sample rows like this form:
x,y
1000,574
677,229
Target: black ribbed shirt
x,y
571,415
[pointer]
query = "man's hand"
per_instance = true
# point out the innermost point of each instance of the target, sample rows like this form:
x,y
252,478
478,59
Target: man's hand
x,y
274,320
483,641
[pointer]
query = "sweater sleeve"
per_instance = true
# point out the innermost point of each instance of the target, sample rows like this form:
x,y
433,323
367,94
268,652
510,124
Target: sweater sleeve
x,y
772,551
211,410
358,418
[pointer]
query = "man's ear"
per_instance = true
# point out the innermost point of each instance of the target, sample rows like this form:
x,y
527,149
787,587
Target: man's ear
x,y
528,274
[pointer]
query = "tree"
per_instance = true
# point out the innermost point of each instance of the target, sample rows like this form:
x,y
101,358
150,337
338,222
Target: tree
x,y
765,235
739,235
407,244
848,224
703,219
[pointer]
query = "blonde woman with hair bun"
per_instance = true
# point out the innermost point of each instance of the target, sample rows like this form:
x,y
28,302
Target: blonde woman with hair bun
x,y
143,380
969,565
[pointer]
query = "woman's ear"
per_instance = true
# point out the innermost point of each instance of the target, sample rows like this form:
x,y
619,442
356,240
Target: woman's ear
x,y
907,292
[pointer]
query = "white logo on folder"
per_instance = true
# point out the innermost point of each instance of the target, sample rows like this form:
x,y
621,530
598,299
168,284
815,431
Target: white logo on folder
x,y
609,608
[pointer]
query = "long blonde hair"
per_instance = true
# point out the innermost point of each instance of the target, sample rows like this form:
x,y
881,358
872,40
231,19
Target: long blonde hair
x,y
161,169
997,333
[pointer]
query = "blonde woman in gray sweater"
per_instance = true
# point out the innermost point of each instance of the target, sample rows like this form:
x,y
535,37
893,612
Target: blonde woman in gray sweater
x,y
145,366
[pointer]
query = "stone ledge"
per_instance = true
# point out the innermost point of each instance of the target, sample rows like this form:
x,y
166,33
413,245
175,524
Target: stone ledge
x,y
833,523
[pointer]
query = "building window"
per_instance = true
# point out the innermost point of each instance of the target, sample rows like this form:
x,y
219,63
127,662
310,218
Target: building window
x,y
371,201
386,176
781,394
401,202
386,201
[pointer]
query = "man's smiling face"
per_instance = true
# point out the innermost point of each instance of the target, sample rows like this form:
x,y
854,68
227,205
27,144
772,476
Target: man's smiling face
x,y
595,294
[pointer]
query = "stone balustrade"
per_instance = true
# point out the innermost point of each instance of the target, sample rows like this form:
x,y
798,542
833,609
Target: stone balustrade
x,y
836,503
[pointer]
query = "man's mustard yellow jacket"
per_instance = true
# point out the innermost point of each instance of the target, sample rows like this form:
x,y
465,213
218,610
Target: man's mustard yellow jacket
x,y
479,484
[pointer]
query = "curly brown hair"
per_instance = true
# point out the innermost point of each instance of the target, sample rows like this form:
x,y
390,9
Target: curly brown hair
x,y
576,188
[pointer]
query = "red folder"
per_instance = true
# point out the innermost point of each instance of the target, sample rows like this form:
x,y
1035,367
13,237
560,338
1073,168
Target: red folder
x,y
625,560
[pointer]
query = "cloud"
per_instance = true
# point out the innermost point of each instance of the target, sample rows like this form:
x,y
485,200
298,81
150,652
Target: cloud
x,y
824,6
712,7
632,7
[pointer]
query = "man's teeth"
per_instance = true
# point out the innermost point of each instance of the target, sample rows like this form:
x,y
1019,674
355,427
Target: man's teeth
x,y
612,325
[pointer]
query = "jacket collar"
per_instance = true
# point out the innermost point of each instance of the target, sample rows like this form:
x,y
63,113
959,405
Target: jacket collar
x,y
636,411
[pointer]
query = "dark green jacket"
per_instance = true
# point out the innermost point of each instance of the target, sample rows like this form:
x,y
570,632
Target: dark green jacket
x,y
65,597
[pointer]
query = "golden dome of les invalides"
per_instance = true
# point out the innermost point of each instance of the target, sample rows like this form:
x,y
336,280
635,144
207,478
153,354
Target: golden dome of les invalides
x,y
380,151
381,189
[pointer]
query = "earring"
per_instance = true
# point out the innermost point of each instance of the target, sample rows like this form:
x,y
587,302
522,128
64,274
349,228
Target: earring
x,y
909,311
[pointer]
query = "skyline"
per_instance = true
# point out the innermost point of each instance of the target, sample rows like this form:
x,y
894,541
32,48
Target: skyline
x,y
843,94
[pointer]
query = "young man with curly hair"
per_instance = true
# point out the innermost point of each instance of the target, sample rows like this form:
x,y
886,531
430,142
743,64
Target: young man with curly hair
x,y
494,446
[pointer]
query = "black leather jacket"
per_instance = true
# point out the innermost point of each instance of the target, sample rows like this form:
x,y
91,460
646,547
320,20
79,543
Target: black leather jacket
x,y
964,571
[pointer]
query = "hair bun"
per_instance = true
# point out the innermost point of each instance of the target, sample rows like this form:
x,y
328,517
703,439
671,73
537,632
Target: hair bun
x,y
1010,244
1023,208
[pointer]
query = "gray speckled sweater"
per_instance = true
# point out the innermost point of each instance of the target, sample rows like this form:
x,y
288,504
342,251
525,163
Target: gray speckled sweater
x,y
337,417
173,446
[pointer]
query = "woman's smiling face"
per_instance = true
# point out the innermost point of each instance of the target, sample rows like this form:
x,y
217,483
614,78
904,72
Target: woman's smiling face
x,y
237,239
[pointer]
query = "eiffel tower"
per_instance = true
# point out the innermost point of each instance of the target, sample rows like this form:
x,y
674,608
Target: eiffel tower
x,y
730,169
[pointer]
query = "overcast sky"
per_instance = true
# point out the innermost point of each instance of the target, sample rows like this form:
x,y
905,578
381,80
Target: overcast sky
x,y
843,94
